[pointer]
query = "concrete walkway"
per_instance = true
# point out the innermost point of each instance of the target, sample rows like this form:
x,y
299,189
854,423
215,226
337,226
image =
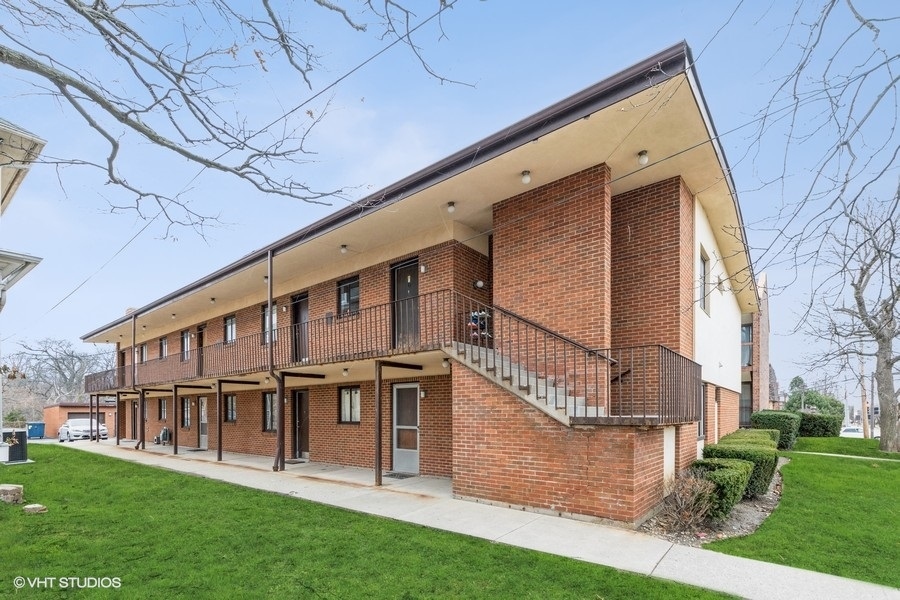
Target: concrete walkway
x,y
429,501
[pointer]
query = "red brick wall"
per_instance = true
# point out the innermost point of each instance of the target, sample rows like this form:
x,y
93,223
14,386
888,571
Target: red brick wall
x,y
505,451
729,404
330,441
652,267
685,445
551,256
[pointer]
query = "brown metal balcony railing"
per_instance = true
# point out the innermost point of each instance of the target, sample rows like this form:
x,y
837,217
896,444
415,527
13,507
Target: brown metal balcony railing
x,y
652,384
649,382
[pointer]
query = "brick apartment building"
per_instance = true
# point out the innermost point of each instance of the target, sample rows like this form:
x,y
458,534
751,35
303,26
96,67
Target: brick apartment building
x,y
755,378
550,317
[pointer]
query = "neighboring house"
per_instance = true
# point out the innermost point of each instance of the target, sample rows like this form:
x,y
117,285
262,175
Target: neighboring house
x,y
549,317
57,414
755,358
18,149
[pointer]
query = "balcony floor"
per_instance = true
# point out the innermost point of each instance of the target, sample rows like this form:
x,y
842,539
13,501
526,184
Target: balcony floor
x,y
352,477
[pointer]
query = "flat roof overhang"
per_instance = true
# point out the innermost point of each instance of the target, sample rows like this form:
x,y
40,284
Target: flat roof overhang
x,y
656,105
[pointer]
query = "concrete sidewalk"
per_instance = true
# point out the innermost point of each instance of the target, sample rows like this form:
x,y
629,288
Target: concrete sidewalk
x,y
429,501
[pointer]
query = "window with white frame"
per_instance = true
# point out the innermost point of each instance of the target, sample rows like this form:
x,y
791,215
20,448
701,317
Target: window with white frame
x,y
185,345
348,411
163,347
269,411
162,409
230,408
142,353
348,296
703,280
230,329
269,323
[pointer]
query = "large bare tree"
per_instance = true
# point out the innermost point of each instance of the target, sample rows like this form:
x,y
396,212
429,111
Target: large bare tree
x,y
54,370
856,311
194,79
830,128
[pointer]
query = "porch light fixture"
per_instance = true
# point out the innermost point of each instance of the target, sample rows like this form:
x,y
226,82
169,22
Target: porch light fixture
x,y
173,316
445,363
143,327
478,284
643,158
212,300
423,269
343,248
345,372
267,380
451,207
526,177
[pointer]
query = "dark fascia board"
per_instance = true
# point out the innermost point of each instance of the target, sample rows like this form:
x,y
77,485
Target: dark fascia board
x,y
648,73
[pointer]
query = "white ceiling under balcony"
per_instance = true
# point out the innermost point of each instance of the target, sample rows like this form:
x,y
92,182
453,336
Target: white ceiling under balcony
x,y
667,119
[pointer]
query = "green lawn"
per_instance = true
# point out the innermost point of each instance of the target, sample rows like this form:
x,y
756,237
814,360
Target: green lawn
x,y
169,535
837,515
839,445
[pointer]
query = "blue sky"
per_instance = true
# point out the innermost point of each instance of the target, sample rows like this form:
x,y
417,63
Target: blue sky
x,y
387,120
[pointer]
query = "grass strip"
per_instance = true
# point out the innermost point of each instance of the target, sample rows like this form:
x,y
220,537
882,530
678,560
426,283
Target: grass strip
x,y
171,535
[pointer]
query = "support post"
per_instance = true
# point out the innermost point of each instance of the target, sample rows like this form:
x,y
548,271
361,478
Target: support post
x,y
141,444
177,422
378,422
118,424
219,420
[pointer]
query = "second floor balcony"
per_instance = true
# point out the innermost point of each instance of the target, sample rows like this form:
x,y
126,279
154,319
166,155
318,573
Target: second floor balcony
x,y
583,383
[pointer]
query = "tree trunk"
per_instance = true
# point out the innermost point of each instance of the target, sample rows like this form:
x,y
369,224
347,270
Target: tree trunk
x,y
887,398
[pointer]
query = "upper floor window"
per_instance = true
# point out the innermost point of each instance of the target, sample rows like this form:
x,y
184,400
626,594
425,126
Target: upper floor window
x,y
162,409
230,329
163,347
348,296
746,345
185,345
142,353
704,280
269,325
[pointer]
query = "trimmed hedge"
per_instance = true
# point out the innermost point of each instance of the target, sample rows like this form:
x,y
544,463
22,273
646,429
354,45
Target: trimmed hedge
x,y
818,425
764,459
787,423
765,437
730,476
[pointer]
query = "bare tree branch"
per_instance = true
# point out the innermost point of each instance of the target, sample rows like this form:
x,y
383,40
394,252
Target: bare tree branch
x,y
174,74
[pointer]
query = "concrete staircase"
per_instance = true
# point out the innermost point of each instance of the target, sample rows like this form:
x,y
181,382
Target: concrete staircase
x,y
543,393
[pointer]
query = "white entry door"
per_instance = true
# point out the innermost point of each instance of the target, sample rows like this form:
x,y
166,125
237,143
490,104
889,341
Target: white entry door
x,y
406,428
204,426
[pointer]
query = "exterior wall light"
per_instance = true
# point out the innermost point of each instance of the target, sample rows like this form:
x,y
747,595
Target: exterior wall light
x,y
526,177
451,207
643,158
343,248
478,284
345,372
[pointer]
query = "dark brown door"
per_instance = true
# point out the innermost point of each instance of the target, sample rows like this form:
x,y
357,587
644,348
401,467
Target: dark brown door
x,y
301,424
200,331
300,327
405,295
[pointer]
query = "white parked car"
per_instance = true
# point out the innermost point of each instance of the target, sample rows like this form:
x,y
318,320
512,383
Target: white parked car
x,y
80,429
854,431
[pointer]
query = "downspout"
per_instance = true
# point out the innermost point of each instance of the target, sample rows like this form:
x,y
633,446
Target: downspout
x,y
134,374
279,381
